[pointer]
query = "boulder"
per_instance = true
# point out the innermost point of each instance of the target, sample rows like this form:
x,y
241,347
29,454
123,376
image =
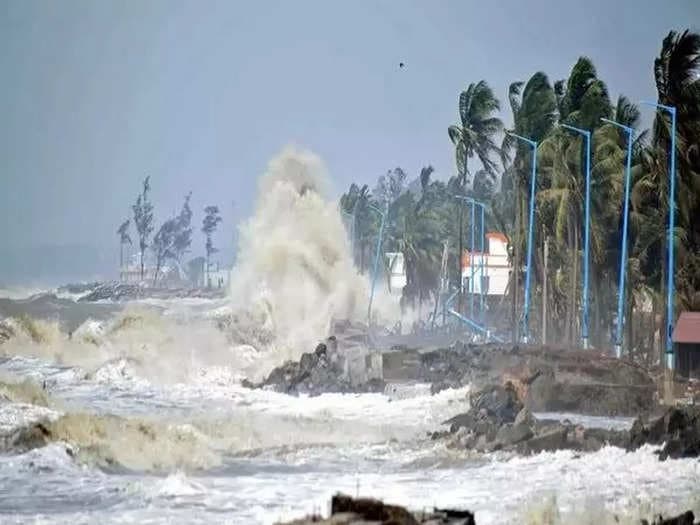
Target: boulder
x,y
687,518
678,429
512,434
316,373
551,440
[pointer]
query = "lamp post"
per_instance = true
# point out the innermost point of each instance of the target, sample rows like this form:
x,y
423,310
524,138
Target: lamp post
x,y
586,235
530,229
623,247
481,266
671,225
382,214
482,206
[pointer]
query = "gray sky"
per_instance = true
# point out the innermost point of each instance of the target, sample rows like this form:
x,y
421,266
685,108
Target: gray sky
x,y
199,95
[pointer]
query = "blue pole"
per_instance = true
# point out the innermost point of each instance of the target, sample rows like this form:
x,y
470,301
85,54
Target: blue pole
x,y
671,262
471,264
670,284
619,329
586,235
530,230
481,267
376,261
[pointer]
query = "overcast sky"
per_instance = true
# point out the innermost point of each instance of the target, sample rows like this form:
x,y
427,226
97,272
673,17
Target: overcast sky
x,y
94,95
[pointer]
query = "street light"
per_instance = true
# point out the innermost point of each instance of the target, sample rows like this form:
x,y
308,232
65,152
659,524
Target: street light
x,y
530,228
671,224
586,236
482,206
623,248
382,214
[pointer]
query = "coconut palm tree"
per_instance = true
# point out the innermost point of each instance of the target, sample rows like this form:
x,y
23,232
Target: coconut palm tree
x,y
475,135
677,76
534,113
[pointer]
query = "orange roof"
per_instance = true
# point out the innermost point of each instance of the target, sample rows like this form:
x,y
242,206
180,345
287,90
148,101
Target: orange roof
x,y
497,235
687,329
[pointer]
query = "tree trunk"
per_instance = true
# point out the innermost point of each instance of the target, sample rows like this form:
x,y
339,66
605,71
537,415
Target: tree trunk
x,y
121,261
155,275
141,257
545,298
208,284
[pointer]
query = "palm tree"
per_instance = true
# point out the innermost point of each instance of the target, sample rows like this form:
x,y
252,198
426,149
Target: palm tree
x,y
534,113
677,75
475,135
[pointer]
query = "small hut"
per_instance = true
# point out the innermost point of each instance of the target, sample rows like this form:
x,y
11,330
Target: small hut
x,y
686,340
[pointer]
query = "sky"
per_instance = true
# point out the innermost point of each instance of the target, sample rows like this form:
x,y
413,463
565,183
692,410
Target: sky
x,y
95,95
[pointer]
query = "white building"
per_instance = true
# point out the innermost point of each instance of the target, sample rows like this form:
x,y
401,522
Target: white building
x,y
488,271
396,267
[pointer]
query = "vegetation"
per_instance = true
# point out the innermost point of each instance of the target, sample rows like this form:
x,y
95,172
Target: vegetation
x,y
124,239
424,214
173,239
143,220
209,223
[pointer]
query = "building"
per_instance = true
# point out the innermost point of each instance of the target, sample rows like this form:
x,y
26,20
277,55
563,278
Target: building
x,y
396,266
686,342
488,272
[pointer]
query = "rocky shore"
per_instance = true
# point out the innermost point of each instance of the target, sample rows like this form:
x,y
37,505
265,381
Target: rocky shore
x,y
115,291
547,379
365,511
498,420
509,384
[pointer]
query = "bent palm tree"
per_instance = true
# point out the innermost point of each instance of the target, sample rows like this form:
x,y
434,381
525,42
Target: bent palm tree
x,y
474,136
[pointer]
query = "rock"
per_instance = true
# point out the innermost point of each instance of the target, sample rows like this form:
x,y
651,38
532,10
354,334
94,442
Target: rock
x,y
372,510
316,373
512,434
546,442
364,511
687,518
526,417
678,429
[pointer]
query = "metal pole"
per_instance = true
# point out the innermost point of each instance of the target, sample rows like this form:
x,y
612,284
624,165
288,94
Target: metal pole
x,y
671,263
533,177
481,266
376,261
586,235
530,232
670,285
619,329
472,260
587,241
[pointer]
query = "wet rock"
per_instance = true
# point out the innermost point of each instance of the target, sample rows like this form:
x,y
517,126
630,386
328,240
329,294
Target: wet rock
x,y
526,417
678,429
547,379
554,439
372,510
317,372
363,511
512,434
687,518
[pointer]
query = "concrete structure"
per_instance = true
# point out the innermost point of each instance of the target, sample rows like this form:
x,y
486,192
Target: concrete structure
x,y
397,271
496,268
686,342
